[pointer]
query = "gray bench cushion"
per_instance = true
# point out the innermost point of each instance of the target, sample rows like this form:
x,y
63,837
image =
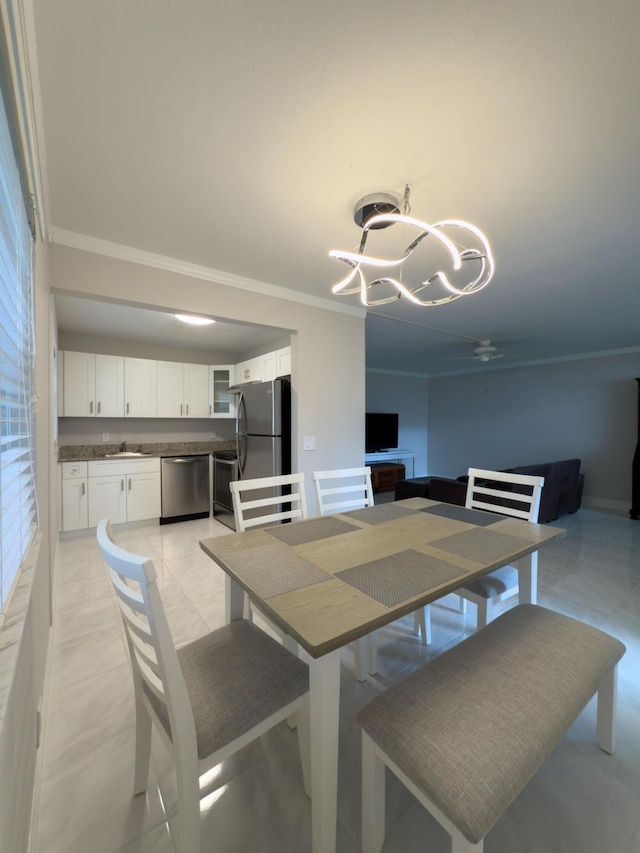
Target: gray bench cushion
x,y
474,725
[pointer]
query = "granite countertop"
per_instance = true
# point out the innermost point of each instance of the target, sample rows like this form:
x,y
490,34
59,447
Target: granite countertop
x,y
82,452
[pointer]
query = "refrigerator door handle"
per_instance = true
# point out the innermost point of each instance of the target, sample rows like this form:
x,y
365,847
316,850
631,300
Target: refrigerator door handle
x,y
241,438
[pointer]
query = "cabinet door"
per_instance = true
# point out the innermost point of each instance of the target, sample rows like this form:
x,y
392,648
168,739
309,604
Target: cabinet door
x,y
140,388
107,499
170,389
143,496
250,371
109,386
221,404
269,364
283,357
74,505
196,390
79,372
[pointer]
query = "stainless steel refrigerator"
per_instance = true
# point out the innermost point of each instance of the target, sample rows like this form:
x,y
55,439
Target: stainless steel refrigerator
x,y
263,429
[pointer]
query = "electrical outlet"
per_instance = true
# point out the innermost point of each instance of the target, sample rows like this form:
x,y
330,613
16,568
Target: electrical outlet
x,y
212,435
309,442
105,436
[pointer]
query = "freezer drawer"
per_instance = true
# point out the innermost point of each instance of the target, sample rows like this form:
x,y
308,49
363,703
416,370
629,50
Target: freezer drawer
x,y
185,487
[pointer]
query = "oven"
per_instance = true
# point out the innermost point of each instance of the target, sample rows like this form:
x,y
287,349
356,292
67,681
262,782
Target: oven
x,y
225,470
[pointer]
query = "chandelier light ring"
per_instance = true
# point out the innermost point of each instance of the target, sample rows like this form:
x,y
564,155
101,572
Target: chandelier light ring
x,y
372,214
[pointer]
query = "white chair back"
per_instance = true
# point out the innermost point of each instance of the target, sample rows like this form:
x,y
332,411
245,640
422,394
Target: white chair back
x,y
273,499
525,505
343,489
158,680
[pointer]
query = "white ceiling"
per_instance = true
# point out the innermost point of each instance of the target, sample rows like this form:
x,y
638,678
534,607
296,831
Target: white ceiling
x,y
238,135
128,323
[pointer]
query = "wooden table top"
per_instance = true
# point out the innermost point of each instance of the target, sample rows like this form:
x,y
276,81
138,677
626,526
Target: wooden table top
x,y
328,581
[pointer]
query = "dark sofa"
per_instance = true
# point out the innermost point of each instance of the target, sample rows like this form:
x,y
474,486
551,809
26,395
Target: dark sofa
x,y
561,493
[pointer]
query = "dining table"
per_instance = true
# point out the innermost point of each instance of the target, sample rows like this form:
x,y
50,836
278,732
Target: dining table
x,y
331,580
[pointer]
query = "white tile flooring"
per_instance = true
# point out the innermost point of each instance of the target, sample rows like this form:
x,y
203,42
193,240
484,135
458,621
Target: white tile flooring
x,y
581,801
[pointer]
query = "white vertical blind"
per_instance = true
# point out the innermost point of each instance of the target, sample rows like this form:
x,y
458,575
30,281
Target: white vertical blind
x,y
18,519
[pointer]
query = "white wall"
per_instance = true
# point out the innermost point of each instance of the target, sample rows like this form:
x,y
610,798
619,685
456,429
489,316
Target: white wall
x,y
406,395
328,376
586,408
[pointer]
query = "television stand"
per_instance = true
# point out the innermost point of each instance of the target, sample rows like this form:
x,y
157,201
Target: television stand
x,y
393,453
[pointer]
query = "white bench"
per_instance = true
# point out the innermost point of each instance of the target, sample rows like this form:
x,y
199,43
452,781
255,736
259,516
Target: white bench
x,y
466,732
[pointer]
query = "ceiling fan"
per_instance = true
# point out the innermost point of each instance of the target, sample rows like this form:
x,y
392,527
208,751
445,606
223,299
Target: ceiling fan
x,y
485,351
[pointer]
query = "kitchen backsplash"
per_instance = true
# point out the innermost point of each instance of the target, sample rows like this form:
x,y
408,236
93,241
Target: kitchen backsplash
x,y
80,452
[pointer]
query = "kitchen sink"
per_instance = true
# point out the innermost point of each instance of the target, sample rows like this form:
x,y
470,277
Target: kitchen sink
x,y
126,454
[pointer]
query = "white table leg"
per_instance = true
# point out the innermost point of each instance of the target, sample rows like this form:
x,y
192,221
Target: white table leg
x,y
324,695
233,600
528,579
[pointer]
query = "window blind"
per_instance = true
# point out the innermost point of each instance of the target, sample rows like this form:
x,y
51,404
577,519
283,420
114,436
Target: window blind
x,y
18,517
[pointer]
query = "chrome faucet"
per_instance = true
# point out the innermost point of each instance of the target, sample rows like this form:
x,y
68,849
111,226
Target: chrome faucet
x,y
123,447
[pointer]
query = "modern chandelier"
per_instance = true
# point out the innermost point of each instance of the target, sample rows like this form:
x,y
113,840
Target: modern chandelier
x,y
380,210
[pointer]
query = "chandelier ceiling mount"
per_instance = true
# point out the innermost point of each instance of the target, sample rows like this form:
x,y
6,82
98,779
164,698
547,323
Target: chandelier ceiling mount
x,y
380,210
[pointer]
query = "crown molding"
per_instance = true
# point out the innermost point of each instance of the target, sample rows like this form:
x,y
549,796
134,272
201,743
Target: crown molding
x,y
74,240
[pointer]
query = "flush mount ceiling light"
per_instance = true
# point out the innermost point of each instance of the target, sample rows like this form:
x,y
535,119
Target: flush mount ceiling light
x,y
193,320
380,210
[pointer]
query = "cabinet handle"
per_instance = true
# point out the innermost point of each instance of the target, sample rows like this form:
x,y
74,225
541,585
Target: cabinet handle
x,y
210,410
129,483
99,406
187,408
180,409
122,485
127,408
82,489
91,407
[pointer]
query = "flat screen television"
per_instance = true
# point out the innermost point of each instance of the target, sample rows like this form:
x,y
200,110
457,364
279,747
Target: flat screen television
x,y
381,431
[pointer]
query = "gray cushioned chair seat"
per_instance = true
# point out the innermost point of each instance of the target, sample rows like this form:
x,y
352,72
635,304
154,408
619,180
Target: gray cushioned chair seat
x,y
472,742
489,586
254,677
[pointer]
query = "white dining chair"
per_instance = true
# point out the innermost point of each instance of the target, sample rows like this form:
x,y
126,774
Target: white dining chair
x,y
518,496
344,490
268,500
264,501
208,698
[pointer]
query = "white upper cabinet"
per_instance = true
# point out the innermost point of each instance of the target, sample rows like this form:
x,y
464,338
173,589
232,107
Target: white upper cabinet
x,y
265,367
196,390
140,388
283,362
250,371
183,390
221,404
92,385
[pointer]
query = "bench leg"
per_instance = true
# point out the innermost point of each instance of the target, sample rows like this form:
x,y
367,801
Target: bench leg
x,y
459,844
607,712
373,783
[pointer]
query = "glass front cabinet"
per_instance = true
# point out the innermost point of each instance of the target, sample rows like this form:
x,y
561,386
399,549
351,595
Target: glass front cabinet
x,y
221,404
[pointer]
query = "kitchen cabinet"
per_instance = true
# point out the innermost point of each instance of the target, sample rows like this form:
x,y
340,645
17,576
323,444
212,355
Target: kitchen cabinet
x,y
221,404
92,385
183,390
283,362
140,388
124,490
250,371
75,499
265,367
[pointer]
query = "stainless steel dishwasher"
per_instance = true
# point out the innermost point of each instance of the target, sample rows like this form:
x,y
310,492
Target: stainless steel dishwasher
x,y
185,488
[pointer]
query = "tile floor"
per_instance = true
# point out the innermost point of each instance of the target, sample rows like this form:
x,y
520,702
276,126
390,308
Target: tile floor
x,y
581,801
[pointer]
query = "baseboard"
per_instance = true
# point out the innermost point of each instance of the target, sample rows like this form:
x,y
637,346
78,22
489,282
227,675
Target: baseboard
x,y
606,505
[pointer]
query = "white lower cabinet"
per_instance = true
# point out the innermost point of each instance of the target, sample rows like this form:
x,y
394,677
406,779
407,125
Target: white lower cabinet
x,y
124,490
120,490
75,496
